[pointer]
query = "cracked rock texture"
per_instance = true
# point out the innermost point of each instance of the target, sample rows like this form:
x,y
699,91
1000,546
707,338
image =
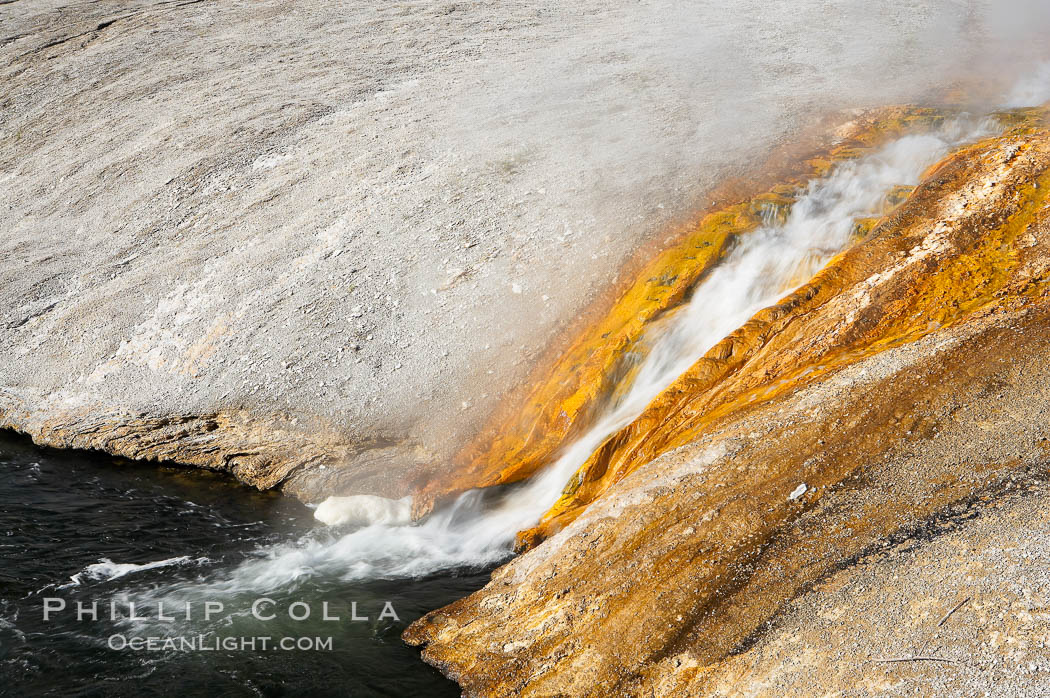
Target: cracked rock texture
x,y
315,242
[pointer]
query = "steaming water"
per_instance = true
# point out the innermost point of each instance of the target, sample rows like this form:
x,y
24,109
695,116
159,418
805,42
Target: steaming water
x,y
174,549
1032,89
479,528
198,551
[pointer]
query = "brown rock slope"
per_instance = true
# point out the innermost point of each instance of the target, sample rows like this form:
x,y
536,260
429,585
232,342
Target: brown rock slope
x,y
909,377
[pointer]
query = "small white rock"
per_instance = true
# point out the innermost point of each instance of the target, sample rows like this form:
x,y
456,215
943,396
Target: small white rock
x,y
363,510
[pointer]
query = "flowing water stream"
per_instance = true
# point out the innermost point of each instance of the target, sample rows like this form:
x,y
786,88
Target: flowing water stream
x,y
80,530
478,529
60,512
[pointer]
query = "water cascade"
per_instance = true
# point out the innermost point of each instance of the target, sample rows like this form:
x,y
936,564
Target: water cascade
x,y
478,529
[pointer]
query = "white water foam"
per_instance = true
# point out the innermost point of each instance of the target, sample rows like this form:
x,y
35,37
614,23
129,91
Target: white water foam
x,y
760,269
106,570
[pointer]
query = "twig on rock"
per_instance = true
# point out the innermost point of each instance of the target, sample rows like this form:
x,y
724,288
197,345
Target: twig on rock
x,y
954,609
916,658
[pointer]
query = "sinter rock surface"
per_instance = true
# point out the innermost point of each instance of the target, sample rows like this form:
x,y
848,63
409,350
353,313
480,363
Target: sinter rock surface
x,y
269,236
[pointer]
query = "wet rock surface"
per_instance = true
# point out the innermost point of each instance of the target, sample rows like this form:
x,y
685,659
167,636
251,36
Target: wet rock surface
x,y
313,244
364,222
925,397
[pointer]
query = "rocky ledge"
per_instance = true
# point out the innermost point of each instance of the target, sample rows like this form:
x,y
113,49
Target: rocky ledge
x,y
889,415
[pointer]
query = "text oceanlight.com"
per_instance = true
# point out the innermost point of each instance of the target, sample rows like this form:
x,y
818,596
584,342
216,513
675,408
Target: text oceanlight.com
x,y
201,643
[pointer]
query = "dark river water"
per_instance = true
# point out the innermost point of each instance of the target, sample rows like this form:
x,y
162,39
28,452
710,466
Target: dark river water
x,y
77,527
